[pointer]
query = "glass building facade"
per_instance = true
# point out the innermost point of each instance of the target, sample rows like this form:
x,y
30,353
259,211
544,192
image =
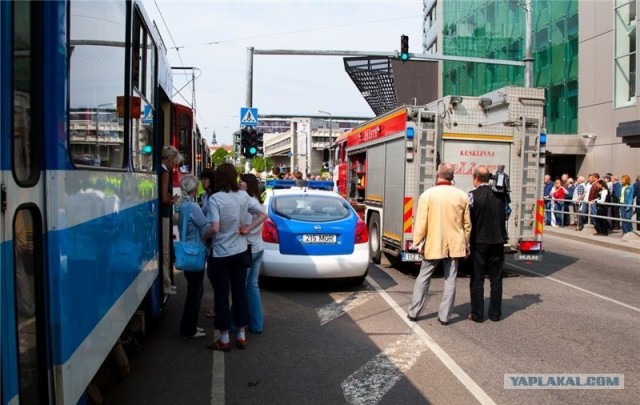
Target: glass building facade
x,y
495,29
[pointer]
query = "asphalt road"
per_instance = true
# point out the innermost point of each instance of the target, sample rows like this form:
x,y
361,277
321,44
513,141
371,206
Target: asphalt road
x,y
578,312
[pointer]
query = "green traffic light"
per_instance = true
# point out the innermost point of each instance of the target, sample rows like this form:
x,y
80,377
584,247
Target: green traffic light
x,y
404,56
253,151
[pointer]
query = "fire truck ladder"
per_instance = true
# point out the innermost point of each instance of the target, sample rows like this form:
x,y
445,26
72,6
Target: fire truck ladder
x,y
428,124
529,188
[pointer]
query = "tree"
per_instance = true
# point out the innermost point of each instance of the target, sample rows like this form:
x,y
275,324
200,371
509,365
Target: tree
x,y
219,156
261,164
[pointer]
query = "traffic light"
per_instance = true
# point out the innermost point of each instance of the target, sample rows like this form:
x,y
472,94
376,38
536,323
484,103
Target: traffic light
x,y
261,143
244,142
252,149
404,47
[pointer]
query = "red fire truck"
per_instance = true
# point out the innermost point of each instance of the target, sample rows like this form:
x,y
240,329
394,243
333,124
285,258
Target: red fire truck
x,y
384,165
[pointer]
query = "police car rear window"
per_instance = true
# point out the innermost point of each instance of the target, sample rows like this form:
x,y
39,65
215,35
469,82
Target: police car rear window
x,y
310,208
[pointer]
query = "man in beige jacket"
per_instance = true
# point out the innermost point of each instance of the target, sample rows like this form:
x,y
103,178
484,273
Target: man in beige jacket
x,y
441,233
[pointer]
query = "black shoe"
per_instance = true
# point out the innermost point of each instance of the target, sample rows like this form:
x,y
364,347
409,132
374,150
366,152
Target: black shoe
x,y
411,318
495,319
443,323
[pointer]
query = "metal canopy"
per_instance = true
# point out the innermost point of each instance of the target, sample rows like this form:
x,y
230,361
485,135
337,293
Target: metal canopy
x,y
373,76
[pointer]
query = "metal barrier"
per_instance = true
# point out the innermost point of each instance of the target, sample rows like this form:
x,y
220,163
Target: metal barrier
x,y
588,216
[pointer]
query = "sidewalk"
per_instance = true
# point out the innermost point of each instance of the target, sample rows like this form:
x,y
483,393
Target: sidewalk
x,y
629,243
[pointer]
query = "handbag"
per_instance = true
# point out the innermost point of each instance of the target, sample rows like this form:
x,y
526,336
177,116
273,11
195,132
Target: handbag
x,y
190,256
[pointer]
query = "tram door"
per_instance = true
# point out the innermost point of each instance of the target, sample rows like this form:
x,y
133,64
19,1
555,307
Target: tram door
x,y
25,363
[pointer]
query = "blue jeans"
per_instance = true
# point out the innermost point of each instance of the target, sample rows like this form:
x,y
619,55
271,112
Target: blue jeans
x,y
256,320
229,274
547,207
191,310
625,213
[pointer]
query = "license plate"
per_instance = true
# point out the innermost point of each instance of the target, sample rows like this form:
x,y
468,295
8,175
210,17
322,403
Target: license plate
x,y
318,238
411,257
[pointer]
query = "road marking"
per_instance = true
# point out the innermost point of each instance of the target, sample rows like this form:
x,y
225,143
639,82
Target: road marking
x,y
371,382
576,287
217,376
332,311
455,369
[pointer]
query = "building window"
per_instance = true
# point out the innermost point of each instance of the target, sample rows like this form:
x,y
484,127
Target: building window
x,y
625,53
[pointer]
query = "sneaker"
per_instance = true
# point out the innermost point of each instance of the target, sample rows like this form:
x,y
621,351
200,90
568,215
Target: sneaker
x,y
199,329
195,335
241,343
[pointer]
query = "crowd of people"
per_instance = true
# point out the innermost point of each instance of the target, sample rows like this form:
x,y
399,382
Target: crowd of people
x,y
608,202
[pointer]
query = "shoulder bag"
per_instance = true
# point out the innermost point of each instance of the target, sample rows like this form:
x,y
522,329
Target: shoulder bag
x,y
190,256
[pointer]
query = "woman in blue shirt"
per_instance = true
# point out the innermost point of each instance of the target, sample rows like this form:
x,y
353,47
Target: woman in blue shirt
x,y
198,228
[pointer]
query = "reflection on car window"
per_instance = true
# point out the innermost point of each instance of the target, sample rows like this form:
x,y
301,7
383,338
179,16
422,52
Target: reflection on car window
x,y
310,208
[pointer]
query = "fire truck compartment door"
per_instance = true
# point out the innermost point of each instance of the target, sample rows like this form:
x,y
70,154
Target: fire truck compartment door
x,y
468,155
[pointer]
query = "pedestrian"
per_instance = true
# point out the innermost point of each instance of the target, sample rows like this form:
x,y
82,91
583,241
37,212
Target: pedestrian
x,y
548,186
249,183
198,228
227,265
593,192
626,198
441,234
636,191
579,194
488,235
558,192
615,190
207,178
601,224
171,158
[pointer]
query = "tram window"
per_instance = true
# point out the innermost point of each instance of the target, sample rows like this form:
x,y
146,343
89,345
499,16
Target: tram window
x,y
96,79
26,166
143,141
31,367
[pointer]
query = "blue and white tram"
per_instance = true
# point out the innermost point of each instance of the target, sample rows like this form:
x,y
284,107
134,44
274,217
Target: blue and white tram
x,y
85,89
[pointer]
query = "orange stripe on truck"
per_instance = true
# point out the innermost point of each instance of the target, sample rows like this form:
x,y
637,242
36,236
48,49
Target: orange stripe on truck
x,y
539,217
407,218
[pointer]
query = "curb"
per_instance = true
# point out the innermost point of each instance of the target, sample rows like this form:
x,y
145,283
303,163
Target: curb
x,y
618,244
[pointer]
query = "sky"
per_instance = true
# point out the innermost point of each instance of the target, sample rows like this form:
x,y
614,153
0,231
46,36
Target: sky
x,y
214,36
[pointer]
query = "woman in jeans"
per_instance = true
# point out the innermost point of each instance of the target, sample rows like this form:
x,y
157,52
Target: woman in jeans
x,y
626,197
227,266
198,228
249,183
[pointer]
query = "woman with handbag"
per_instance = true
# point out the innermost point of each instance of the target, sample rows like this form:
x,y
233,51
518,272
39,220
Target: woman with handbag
x,y
194,227
227,266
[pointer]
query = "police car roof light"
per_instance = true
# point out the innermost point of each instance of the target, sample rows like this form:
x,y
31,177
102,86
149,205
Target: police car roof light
x,y
312,184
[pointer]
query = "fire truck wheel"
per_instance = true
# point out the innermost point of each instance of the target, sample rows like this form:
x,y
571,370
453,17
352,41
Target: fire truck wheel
x,y
374,238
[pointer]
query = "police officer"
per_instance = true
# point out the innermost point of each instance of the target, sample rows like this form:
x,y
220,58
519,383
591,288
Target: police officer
x,y
488,235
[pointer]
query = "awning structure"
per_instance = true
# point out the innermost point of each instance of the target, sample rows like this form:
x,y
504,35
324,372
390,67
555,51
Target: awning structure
x,y
630,133
373,76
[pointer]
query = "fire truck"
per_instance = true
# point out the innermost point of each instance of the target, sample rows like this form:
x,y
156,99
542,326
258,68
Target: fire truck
x,y
382,166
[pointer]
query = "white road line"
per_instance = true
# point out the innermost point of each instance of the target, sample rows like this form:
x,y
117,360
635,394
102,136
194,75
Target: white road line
x,y
217,376
371,382
622,304
455,369
332,311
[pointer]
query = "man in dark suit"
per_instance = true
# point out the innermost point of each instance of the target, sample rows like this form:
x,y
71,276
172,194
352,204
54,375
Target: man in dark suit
x,y
488,235
636,189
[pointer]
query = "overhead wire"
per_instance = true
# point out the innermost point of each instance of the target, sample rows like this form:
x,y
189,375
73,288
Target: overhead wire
x,y
193,102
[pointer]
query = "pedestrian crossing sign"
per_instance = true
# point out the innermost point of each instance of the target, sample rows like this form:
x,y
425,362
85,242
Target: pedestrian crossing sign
x,y
248,117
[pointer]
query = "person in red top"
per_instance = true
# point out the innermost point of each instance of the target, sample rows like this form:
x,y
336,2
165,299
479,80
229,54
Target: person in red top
x,y
558,194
